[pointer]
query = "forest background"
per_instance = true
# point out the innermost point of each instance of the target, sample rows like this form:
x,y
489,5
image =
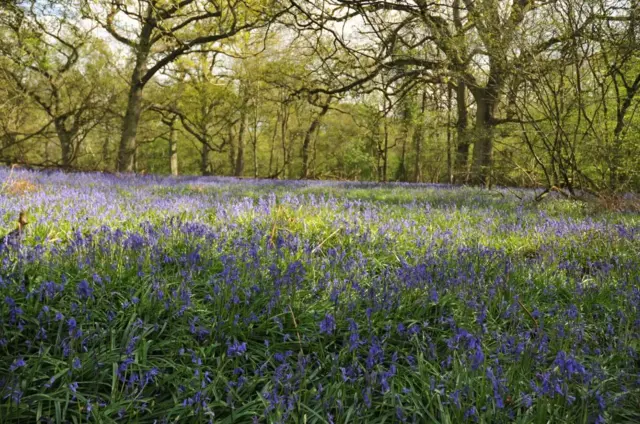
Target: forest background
x,y
488,92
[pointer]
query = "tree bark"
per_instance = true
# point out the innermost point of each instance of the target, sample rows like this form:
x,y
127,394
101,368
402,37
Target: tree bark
x,y
418,140
66,142
173,150
283,136
255,142
106,154
307,139
462,139
624,105
239,165
385,149
204,160
486,102
127,147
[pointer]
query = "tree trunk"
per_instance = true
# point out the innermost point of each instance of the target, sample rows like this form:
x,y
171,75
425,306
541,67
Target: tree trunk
x,y
449,161
204,160
106,154
385,149
66,142
614,177
418,140
283,136
401,173
307,139
232,149
239,165
255,143
173,150
127,147
462,148
486,103
273,145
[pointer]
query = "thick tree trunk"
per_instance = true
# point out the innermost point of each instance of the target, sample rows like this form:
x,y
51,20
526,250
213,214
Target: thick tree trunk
x,y
486,102
66,142
204,160
462,122
307,140
615,178
483,140
127,147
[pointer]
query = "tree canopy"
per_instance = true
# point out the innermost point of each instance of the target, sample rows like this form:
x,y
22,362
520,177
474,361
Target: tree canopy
x,y
486,92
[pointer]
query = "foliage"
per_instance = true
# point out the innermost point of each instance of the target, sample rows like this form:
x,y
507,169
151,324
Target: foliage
x,y
151,299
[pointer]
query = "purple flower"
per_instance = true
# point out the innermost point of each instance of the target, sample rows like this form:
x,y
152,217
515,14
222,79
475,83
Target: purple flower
x,y
471,413
236,348
84,290
48,384
18,363
328,324
77,364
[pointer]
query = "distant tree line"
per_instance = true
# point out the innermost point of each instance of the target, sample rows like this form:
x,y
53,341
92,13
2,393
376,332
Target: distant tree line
x,y
486,92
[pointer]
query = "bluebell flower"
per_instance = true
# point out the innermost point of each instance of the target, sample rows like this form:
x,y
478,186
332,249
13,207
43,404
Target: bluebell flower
x,y
17,363
77,364
84,290
328,324
236,348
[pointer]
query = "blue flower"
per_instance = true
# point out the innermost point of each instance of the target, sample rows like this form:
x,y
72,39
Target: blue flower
x,y
84,290
236,348
328,324
77,364
18,363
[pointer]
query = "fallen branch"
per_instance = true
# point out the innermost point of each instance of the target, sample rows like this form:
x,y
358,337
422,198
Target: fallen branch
x,y
324,241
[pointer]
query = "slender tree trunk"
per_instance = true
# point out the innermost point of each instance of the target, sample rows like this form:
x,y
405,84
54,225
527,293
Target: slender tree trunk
x,y
449,164
106,152
173,150
239,165
255,143
401,174
283,136
273,145
418,140
232,150
307,139
127,147
385,149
